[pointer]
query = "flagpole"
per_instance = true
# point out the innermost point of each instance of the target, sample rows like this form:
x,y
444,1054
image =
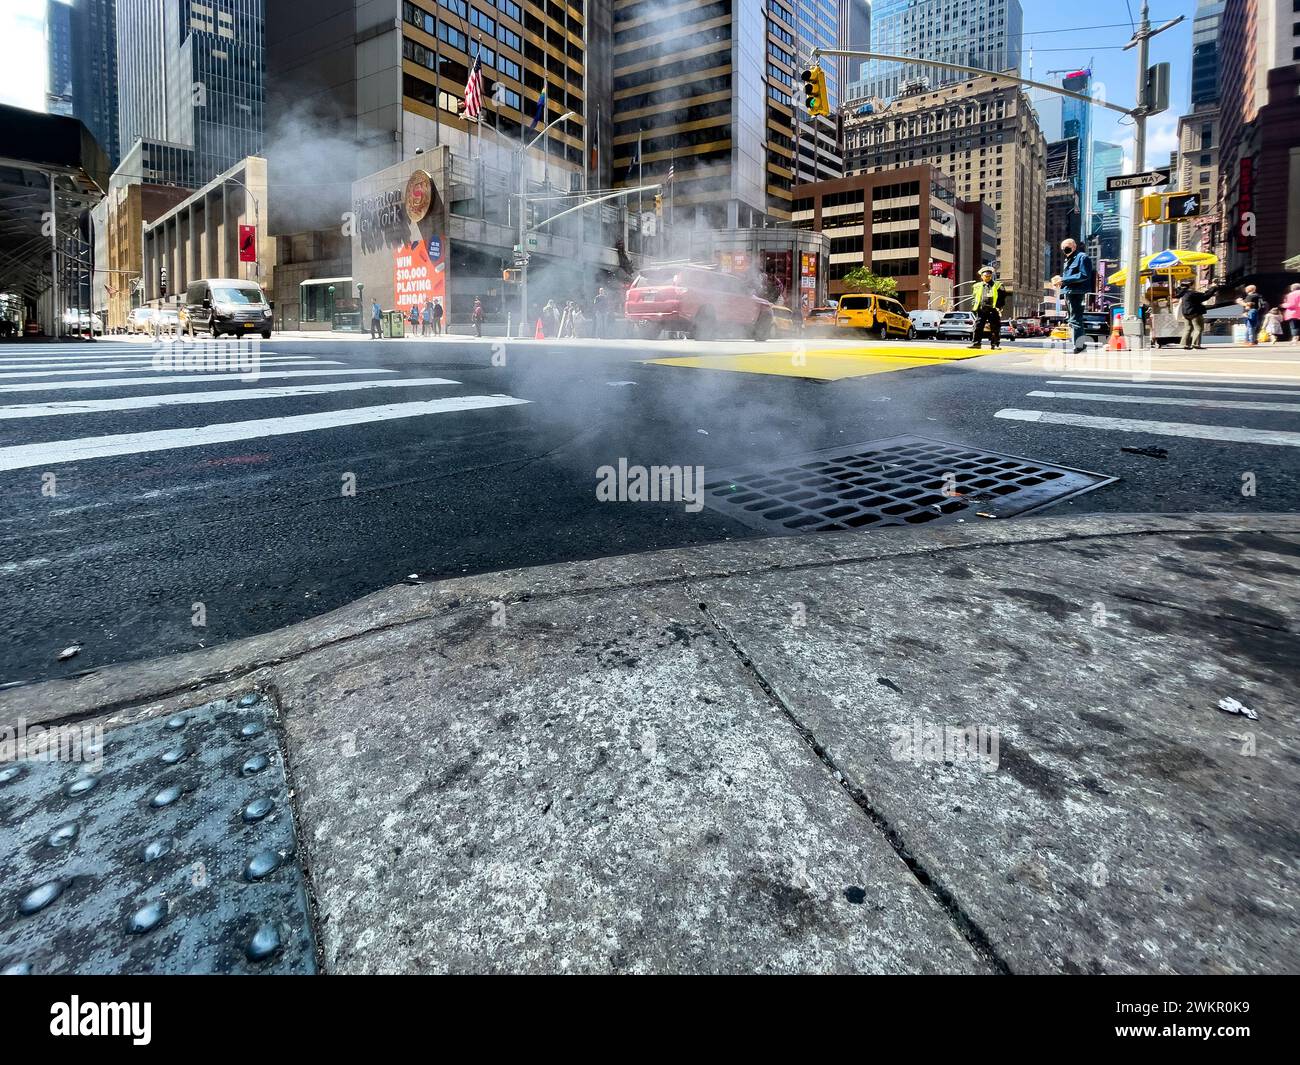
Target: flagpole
x,y
640,180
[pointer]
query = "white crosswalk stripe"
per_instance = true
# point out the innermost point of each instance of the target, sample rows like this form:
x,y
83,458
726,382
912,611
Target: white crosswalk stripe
x,y
59,361
137,355
1169,401
112,368
1178,388
73,403
57,452
1233,433
1199,392
52,386
183,399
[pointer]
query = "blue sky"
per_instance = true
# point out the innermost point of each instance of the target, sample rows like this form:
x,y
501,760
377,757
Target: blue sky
x,y
1077,34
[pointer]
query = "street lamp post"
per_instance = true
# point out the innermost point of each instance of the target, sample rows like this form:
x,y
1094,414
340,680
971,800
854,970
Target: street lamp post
x,y
257,228
522,151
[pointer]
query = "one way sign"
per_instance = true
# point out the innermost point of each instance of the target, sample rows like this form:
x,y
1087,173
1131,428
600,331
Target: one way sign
x,y
1149,180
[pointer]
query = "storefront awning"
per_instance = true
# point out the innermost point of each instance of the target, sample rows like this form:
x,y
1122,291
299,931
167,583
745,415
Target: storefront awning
x,y
325,281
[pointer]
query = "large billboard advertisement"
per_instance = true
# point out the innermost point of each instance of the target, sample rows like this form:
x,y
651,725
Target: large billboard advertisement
x,y
420,273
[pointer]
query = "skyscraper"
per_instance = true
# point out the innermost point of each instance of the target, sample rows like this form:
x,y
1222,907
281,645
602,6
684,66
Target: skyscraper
x,y
855,35
817,26
83,67
1259,95
1105,229
58,35
711,91
985,134
1205,52
978,33
1076,124
190,73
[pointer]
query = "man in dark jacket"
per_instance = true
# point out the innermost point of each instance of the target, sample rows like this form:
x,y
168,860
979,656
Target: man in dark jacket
x,y
1191,305
1077,278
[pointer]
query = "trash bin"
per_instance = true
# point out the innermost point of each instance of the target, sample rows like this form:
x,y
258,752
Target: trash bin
x,y
1239,333
393,324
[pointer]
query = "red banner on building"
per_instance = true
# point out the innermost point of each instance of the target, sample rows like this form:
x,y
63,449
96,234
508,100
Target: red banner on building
x,y
420,273
247,244
1246,206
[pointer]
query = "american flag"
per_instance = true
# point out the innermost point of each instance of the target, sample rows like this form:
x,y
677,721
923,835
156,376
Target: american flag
x,y
672,169
474,91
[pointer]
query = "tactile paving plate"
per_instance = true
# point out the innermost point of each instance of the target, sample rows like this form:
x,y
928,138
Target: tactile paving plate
x,y
904,480
169,862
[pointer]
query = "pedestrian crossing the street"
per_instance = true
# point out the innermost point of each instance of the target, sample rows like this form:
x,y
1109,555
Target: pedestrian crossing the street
x,y
1202,405
121,399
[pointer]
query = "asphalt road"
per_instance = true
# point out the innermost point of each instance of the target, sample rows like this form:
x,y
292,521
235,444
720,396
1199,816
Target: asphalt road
x,y
134,545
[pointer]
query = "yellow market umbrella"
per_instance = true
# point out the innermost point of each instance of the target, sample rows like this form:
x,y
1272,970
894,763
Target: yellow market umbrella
x,y
1172,262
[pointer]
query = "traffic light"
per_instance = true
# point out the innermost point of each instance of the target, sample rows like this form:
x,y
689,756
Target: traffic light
x,y
1152,208
814,89
1180,205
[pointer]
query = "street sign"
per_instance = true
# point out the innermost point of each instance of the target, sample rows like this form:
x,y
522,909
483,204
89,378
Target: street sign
x,y
1149,180
532,243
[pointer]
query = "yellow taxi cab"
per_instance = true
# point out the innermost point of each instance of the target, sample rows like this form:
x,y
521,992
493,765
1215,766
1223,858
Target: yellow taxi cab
x,y
882,316
782,321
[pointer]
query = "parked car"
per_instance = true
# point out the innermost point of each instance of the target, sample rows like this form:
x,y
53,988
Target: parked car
x,y
820,321
957,325
1028,327
878,315
783,324
140,320
1008,331
1097,325
699,300
226,305
926,322
168,322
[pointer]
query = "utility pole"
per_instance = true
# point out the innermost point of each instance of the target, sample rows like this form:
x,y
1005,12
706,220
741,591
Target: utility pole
x,y
1133,279
523,212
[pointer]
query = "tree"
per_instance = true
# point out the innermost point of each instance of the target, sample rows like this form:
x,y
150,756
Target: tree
x,y
860,279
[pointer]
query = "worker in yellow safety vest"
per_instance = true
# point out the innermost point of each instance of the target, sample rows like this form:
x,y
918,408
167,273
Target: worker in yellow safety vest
x,y
988,298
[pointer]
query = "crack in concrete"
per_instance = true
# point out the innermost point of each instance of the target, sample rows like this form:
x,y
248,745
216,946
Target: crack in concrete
x,y
943,897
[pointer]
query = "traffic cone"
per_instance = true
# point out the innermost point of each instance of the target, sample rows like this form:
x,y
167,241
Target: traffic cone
x,y
539,333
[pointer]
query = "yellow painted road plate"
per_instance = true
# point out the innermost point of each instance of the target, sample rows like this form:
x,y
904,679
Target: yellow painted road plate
x,y
828,364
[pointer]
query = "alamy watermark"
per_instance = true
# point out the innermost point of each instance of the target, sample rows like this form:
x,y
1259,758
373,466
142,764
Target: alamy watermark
x,y
924,741
628,483
180,354
61,743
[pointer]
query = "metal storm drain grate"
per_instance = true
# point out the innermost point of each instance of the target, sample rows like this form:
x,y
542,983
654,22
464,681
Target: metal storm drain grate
x,y
905,480
167,849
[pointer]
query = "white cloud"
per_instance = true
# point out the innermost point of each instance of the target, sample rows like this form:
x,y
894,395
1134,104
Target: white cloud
x,y
23,54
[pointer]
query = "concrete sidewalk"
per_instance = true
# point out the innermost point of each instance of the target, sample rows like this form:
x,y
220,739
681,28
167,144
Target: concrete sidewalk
x,y
734,758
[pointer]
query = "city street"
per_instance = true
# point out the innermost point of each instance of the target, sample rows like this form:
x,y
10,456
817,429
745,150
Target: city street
x,y
154,511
